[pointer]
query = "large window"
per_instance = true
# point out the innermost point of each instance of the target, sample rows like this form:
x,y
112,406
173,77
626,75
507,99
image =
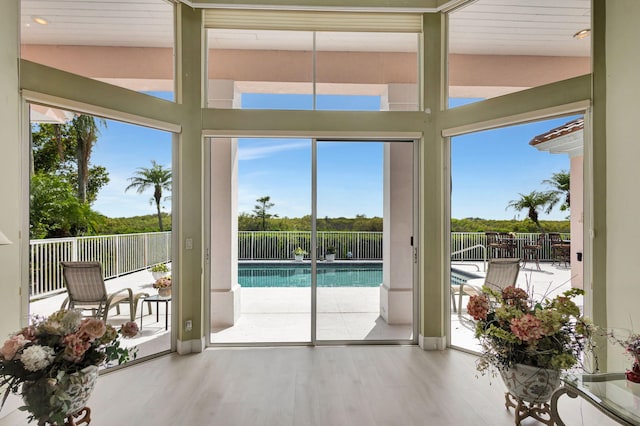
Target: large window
x,y
307,68
513,189
101,206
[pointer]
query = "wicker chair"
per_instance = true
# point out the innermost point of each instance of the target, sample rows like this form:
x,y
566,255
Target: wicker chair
x,y
530,251
87,291
560,249
493,244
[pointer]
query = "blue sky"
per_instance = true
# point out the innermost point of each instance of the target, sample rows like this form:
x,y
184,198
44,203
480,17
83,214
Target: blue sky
x,y
489,168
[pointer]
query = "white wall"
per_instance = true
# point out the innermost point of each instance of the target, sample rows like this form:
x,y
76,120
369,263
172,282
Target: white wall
x,y
623,154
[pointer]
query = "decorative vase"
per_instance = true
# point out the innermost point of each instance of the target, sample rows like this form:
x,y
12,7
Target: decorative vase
x,y
531,384
158,275
298,257
164,291
330,257
38,395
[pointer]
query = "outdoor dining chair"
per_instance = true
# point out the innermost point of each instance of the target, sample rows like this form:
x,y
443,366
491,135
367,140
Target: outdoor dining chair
x,y
507,244
87,291
493,244
532,251
560,249
501,273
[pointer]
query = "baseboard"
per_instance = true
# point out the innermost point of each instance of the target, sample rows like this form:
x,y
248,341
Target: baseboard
x,y
432,343
184,347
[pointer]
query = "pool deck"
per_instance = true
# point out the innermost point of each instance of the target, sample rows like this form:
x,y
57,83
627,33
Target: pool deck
x,y
273,315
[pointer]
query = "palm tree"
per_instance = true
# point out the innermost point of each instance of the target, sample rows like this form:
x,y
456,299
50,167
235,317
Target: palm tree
x,y
532,202
561,183
157,177
85,129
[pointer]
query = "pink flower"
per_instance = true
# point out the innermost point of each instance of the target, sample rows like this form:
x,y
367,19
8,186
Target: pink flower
x,y
478,307
129,329
29,333
92,328
163,282
12,346
75,348
527,328
514,296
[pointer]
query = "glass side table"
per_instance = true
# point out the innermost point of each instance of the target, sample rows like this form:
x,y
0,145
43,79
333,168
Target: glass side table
x,y
611,393
157,299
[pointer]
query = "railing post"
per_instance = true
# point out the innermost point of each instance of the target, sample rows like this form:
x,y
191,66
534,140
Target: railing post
x,y
145,260
117,256
74,249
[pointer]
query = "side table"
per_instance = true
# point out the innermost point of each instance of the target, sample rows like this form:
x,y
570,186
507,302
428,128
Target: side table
x,y
611,393
157,299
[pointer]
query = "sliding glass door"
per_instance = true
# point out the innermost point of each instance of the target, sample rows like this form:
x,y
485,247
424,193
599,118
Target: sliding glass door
x,y
364,228
311,241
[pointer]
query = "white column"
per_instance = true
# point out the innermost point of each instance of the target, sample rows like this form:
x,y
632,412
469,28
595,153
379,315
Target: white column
x,y
396,291
225,290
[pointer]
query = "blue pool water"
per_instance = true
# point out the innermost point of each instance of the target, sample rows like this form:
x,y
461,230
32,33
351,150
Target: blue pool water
x,y
291,274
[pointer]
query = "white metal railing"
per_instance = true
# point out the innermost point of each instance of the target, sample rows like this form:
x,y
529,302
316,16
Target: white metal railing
x,y
460,241
476,247
122,254
118,254
274,245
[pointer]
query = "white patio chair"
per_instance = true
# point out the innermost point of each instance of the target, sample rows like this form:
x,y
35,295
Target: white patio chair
x,y
87,291
501,273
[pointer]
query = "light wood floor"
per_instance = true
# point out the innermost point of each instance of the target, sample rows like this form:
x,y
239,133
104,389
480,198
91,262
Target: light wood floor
x,y
355,385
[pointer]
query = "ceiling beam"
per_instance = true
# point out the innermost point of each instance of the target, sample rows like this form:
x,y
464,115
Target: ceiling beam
x,y
418,6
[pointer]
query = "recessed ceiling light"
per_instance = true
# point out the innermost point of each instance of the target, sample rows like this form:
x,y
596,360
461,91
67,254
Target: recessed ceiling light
x,y
39,20
582,33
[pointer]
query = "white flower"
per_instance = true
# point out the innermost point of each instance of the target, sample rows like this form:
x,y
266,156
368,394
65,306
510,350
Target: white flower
x,y
37,357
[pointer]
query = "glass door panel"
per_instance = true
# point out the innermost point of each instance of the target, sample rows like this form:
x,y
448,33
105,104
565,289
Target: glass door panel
x,y
261,213
364,223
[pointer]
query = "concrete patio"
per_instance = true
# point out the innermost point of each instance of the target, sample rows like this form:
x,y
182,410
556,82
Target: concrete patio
x,y
153,337
283,315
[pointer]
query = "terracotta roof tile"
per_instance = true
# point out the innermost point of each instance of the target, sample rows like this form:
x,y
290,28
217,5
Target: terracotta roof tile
x,y
565,129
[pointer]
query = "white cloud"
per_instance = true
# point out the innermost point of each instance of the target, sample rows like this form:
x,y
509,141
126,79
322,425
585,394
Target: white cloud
x,y
112,201
256,152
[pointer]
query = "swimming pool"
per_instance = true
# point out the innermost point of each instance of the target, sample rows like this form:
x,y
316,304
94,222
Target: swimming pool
x,y
291,274
460,276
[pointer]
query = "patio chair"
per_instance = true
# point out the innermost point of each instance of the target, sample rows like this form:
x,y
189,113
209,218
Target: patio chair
x,y
507,244
87,291
560,249
532,250
493,243
501,273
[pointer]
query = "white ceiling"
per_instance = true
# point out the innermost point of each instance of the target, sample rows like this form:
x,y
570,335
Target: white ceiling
x,y
500,27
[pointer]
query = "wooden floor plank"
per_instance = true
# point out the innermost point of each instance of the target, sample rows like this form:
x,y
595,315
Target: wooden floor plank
x,y
282,386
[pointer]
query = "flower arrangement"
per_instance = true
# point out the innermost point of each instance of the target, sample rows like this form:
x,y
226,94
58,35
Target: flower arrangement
x,y
300,252
515,329
43,357
330,250
160,267
631,344
164,282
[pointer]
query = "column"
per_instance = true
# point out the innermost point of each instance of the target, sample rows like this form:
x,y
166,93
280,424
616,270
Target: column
x,y
225,290
396,291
